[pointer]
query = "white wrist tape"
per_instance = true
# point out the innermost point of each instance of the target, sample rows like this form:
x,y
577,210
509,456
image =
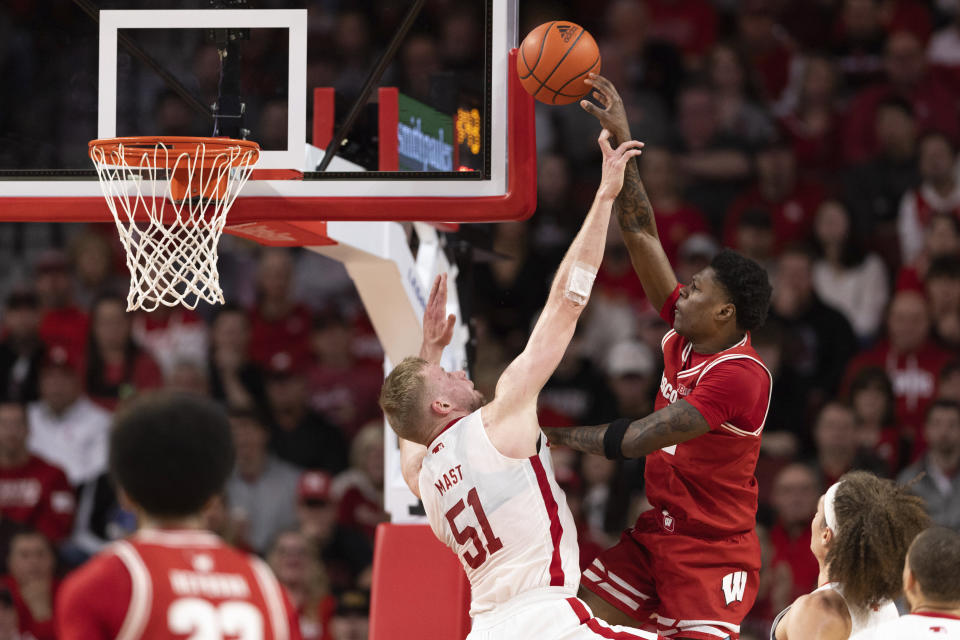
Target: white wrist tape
x,y
829,510
580,282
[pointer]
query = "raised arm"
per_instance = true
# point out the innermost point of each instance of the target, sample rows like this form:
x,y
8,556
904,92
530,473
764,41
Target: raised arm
x,y
671,425
520,384
437,332
633,208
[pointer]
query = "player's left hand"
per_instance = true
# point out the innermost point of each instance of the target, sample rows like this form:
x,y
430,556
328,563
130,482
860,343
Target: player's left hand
x,y
614,163
437,326
610,113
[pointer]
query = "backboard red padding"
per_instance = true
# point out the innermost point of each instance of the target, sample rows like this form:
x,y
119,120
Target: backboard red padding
x,y
419,588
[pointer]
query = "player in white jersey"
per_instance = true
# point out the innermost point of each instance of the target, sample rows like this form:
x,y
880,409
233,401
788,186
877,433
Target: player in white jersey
x,y
931,582
859,535
484,475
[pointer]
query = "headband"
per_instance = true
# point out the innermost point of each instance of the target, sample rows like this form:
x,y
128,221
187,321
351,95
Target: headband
x,y
829,513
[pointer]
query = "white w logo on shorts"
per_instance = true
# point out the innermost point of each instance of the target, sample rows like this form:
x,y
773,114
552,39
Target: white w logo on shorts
x,y
734,585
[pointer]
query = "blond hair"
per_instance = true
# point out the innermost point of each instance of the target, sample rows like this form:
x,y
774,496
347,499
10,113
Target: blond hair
x,y
402,395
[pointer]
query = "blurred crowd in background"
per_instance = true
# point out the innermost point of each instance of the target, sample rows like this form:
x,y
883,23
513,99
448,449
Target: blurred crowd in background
x,y
818,137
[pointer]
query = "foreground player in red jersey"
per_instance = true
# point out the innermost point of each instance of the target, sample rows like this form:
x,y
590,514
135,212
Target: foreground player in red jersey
x,y
172,580
690,565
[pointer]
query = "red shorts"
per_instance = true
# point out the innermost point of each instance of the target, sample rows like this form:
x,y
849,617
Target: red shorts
x,y
702,587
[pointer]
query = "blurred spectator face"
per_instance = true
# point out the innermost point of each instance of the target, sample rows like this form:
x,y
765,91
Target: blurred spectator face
x,y
795,494
819,81
836,432
173,117
366,452
755,240
110,325
861,18
776,172
92,259
350,626
794,281
936,160
896,131
420,61
275,273
59,387
658,172
832,223
272,131
908,322
942,431
630,374
52,282
626,22
942,237
317,518
698,117
188,377
333,343
353,36
290,559
871,404
13,431
943,293
231,330
553,180
756,27
22,322
904,59
948,387
460,38
249,438
726,74
287,392
30,558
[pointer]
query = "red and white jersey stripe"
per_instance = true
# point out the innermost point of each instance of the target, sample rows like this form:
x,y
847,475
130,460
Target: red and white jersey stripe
x,y
921,626
506,518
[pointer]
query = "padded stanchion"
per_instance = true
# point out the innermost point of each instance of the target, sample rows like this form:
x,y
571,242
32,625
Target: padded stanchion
x,y
419,588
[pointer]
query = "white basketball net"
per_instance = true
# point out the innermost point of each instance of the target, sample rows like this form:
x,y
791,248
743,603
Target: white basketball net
x,y
171,244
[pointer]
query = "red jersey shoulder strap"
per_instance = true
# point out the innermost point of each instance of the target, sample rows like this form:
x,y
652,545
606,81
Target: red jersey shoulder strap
x,y
744,352
141,591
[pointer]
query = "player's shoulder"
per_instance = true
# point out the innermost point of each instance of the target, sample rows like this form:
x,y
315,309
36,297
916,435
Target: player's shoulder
x,y
103,573
824,605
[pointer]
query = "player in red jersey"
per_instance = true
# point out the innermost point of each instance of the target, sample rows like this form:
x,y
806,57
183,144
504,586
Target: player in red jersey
x,y
689,565
170,455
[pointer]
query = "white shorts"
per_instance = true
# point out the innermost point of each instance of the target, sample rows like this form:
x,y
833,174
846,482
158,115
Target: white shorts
x,y
547,615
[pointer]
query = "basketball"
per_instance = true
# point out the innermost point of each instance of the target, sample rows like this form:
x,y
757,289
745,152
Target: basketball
x,y
554,61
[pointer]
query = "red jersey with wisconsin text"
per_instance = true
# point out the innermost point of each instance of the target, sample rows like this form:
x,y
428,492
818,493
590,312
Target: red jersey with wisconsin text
x,y
173,585
707,484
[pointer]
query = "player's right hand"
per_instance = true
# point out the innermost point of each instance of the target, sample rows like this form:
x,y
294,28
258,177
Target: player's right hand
x,y
611,112
437,326
614,163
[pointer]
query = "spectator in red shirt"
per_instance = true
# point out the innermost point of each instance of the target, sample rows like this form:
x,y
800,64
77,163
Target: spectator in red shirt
x,y
342,388
62,322
691,25
32,491
278,322
300,572
912,361
32,585
676,218
939,193
359,489
796,491
907,77
791,202
21,350
116,367
812,124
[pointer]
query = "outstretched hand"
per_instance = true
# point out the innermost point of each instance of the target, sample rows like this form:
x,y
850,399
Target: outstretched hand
x,y
615,162
437,326
610,113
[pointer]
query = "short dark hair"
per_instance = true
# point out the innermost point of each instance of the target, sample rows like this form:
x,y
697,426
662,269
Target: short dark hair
x,y
934,560
900,104
942,403
748,286
171,452
946,266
